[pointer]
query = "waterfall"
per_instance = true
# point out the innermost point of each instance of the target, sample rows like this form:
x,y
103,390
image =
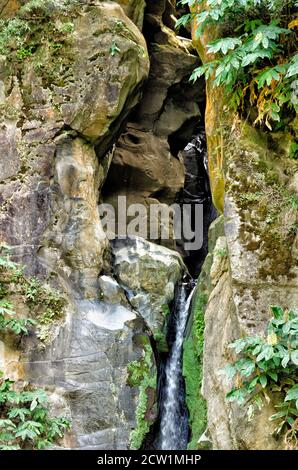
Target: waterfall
x,y
174,422
173,429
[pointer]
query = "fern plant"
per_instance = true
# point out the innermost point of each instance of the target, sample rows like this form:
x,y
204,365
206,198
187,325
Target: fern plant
x,y
254,58
266,370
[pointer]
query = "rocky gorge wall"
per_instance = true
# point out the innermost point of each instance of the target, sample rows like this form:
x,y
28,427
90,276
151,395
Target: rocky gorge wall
x,y
98,105
252,263
65,138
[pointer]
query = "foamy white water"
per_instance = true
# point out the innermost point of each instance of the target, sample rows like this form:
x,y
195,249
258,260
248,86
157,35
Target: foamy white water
x,y
172,429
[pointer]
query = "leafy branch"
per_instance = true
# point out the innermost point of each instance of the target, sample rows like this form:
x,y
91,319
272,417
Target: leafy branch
x,y
254,56
267,370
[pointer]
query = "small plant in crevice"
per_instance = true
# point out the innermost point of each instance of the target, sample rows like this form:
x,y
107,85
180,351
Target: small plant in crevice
x,y
266,372
165,310
8,322
45,304
114,49
140,375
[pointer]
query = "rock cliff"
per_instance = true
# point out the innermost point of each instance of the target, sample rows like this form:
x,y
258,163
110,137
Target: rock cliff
x,y
96,103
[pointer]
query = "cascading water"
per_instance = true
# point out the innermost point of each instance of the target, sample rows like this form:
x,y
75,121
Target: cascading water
x,y
174,422
173,429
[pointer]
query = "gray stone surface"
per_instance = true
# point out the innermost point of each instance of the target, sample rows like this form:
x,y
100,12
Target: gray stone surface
x,y
148,273
86,364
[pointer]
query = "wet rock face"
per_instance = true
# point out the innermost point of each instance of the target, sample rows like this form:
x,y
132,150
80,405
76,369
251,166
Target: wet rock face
x,y
43,172
252,268
85,372
148,273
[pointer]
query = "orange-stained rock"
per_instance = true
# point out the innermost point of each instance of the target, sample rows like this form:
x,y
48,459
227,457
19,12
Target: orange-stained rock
x,y
213,115
8,8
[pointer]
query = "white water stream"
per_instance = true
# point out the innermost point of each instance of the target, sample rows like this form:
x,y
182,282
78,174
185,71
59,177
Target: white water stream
x,y
173,429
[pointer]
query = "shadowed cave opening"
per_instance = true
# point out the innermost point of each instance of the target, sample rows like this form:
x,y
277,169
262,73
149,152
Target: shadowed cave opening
x,y
185,141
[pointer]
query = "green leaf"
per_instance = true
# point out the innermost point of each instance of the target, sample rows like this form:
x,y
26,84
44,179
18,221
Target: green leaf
x,y
294,357
278,415
18,413
223,45
266,77
253,57
285,360
7,424
257,349
293,67
263,380
114,49
238,395
238,345
197,73
253,384
246,367
273,375
278,312
183,21
292,393
230,371
34,404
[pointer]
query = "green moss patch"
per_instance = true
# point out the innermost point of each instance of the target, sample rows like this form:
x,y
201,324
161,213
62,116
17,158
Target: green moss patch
x,y
28,297
140,375
193,372
259,174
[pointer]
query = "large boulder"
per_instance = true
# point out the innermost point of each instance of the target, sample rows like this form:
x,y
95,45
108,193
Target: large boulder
x,y
62,102
149,274
85,373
